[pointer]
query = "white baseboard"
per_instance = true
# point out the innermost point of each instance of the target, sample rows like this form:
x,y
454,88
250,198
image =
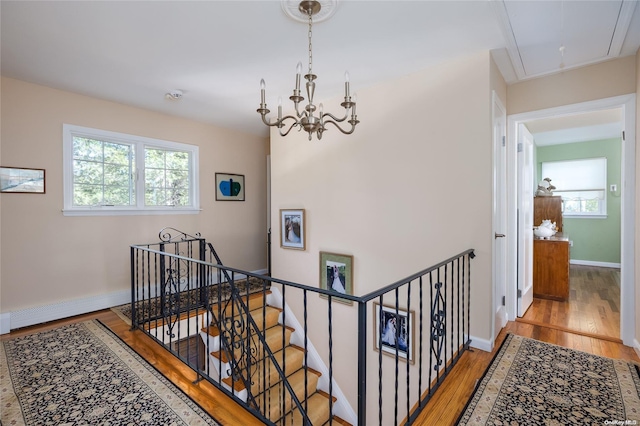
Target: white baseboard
x,y
68,308
482,344
594,263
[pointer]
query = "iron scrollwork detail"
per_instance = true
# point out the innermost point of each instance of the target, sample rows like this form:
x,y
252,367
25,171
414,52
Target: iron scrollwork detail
x,y
438,325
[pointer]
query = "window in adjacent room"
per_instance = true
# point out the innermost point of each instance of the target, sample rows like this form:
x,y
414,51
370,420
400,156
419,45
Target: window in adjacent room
x,y
581,184
115,173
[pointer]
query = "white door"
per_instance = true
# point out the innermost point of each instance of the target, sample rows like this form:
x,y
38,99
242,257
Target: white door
x,y
525,219
499,214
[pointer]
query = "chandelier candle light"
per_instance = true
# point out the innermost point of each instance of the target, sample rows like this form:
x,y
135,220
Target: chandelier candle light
x,y
306,119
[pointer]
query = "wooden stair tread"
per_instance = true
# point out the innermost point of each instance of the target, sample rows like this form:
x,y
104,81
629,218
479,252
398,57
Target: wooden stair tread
x,y
159,322
317,411
294,360
276,401
253,301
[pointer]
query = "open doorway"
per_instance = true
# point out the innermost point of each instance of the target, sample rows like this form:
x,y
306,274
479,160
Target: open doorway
x,y
625,108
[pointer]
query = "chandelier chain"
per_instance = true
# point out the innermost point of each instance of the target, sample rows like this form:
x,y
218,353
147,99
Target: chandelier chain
x,y
310,45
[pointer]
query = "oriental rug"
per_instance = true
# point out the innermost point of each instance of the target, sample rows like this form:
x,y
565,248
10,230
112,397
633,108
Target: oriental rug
x,y
151,308
82,374
535,383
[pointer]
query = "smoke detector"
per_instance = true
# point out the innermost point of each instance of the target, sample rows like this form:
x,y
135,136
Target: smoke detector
x,y
174,95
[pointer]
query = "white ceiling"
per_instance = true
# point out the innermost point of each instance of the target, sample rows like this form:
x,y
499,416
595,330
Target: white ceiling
x,y
216,52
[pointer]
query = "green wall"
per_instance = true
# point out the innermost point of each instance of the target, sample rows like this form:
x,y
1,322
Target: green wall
x,y
596,240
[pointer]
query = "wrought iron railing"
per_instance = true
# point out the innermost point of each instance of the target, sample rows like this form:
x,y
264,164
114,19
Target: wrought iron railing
x,y
181,289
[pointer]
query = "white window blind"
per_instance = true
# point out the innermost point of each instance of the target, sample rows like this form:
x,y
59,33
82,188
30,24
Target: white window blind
x,y
581,184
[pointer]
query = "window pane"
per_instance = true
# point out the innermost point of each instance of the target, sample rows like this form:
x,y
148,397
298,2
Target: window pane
x,y
155,197
117,175
154,158
177,160
167,177
117,153
102,173
177,178
87,172
117,195
87,149
87,195
154,178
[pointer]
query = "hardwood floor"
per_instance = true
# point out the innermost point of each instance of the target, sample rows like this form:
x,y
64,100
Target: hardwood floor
x,y
593,307
448,402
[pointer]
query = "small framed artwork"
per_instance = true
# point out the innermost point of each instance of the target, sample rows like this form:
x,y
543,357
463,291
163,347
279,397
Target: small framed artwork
x,y
292,229
336,274
393,331
229,187
18,179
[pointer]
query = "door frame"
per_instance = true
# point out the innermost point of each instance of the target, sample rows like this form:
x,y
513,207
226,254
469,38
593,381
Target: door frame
x,y
628,219
500,213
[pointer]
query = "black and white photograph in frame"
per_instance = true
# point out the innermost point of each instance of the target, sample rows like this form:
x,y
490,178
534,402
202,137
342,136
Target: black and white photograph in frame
x,y
393,331
336,275
292,232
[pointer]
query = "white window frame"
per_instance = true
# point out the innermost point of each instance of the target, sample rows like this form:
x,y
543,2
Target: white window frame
x,y
70,131
602,213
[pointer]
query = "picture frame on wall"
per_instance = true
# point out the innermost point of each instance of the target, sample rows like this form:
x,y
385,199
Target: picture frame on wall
x,y
22,180
336,275
229,187
292,229
393,331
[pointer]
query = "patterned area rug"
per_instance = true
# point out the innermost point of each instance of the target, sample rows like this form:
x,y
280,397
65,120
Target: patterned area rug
x,y
535,383
149,309
82,374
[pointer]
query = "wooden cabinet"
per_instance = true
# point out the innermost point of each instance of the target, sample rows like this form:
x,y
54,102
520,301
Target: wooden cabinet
x,y
548,208
551,268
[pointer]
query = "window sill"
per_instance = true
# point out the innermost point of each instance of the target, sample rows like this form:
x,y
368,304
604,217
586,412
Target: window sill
x,y
99,211
584,216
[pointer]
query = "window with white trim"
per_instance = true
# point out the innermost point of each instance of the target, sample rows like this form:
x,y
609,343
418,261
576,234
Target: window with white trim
x,y
114,173
581,184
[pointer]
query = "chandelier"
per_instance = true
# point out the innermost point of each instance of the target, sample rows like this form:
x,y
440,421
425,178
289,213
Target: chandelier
x,y
306,118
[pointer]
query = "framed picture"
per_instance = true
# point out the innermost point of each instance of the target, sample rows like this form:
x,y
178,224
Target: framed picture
x,y
18,179
229,187
336,274
393,331
292,232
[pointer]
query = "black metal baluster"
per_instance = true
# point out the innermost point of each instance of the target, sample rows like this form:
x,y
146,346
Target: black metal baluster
x,y
420,311
408,339
330,359
397,349
380,323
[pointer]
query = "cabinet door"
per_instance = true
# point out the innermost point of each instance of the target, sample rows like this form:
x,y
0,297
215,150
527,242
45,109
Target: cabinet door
x,y
551,269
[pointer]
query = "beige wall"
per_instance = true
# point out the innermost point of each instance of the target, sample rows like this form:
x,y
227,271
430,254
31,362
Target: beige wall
x,y
411,187
49,258
603,80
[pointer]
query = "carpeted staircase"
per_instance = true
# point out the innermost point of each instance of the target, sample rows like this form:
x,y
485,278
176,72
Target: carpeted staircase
x,y
268,391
